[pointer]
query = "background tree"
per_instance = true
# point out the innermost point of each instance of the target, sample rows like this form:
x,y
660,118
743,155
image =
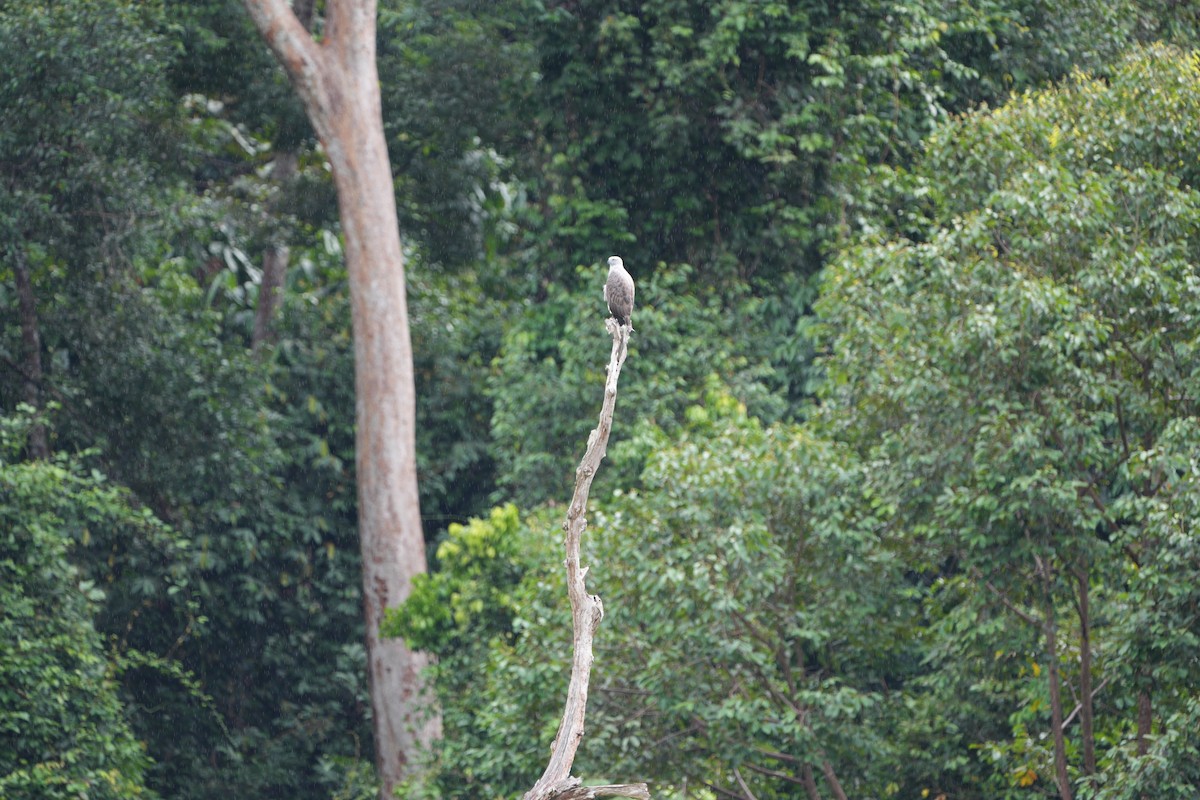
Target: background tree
x,y
746,676
738,147
979,378
76,118
64,730
730,143
1008,374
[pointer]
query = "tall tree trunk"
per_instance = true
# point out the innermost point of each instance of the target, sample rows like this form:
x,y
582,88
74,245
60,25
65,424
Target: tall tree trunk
x,y
835,785
1145,720
31,344
275,262
275,259
810,782
339,85
1085,673
1052,676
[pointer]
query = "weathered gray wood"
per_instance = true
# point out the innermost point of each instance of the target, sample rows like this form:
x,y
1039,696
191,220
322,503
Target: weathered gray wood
x,y
586,609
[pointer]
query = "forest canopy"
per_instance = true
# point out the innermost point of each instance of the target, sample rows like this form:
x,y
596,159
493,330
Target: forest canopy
x,y
902,495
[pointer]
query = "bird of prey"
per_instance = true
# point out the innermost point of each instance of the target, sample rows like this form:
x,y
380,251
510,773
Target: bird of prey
x,y
618,291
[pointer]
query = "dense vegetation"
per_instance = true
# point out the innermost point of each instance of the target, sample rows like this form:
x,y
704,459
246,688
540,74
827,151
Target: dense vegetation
x,y
903,493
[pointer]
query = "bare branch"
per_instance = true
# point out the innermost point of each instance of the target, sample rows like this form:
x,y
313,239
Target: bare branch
x,y
586,610
742,783
1079,706
835,785
1011,606
638,791
723,792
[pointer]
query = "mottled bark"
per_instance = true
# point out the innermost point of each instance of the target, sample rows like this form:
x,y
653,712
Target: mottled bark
x,y
338,83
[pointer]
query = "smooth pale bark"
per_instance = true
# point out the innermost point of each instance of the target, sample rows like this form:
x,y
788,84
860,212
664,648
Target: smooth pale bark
x,y
339,86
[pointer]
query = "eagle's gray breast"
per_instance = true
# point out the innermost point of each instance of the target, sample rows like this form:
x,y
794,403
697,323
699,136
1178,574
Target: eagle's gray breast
x,y
618,291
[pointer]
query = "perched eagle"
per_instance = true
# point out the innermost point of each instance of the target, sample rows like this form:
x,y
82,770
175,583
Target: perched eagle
x,y
618,291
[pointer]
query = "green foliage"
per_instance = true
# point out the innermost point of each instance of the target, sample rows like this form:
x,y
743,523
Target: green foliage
x,y
1009,375
1012,371
1134,115
547,381
467,596
1171,768
311,386
714,145
736,136
455,331
277,555
64,730
757,615
494,584
720,651
85,108
723,149
223,59
728,134
452,78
